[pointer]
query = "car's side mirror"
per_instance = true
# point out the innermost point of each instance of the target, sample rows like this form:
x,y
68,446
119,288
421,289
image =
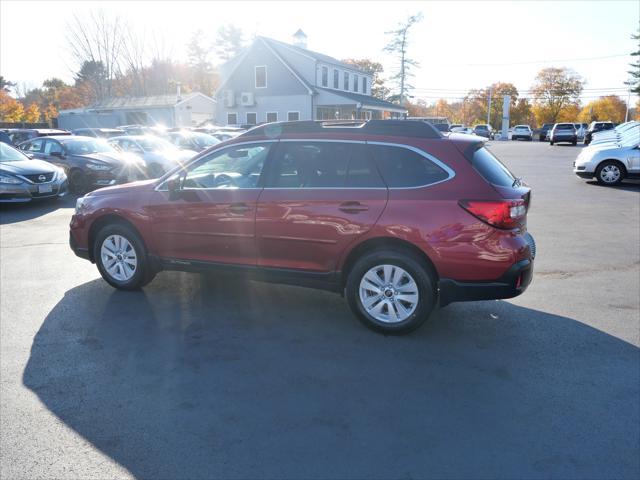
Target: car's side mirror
x,y
29,155
174,187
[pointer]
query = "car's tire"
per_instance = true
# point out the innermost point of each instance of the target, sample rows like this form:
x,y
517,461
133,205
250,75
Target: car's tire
x,y
78,182
131,268
400,290
574,143
155,170
550,142
610,173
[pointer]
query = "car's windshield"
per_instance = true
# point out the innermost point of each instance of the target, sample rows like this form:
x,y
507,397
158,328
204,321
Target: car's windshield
x,y
10,154
481,127
151,144
86,146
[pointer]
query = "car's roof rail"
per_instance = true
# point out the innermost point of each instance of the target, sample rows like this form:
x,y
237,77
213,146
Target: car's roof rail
x,y
400,128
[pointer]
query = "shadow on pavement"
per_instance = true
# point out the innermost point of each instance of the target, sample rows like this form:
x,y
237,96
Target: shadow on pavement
x,y
20,212
204,378
627,185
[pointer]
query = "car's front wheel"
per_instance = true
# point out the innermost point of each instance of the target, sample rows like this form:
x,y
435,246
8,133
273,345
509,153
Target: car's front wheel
x,y
609,173
390,291
122,258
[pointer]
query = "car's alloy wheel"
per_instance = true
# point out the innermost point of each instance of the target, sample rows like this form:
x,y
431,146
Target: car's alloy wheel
x,y
119,258
388,293
609,174
391,291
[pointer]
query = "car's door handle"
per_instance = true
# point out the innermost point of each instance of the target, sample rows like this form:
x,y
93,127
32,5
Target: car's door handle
x,y
239,207
352,207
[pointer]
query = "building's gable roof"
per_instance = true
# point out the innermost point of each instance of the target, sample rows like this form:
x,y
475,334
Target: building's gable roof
x,y
366,100
232,65
320,57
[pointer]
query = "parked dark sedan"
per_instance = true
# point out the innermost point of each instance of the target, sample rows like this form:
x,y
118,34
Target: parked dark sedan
x,y
19,135
544,131
88,162
23,179
99,132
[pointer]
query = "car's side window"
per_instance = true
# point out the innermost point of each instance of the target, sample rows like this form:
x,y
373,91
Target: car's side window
x,y
34,145
362,172
402,167
238,166
309,165
51,147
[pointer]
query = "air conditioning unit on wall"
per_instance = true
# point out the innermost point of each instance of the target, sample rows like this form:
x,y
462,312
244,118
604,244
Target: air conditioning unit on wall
x,y
229,99
246,99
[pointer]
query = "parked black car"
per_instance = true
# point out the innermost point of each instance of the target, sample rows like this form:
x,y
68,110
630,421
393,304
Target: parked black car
x,y
99,132
544,131
596,127
88,162
484,130
19,135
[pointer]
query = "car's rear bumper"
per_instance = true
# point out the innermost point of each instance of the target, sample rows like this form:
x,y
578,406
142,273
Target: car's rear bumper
x,y
514,282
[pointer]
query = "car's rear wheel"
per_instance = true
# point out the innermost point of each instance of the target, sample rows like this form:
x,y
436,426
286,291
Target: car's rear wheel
x,y
390,291
122,258
550,142
78,182
610,173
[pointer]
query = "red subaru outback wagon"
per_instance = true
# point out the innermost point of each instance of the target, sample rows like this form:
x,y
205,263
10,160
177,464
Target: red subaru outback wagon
x,y
390,213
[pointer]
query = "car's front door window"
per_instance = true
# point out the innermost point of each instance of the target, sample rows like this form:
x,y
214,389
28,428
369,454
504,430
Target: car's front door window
x,y
234,167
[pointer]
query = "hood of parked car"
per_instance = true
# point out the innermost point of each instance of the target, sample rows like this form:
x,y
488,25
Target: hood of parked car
x,y
27,167
128,188
110,158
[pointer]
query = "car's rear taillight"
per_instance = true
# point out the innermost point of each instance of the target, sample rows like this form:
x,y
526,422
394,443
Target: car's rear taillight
x,y
501,214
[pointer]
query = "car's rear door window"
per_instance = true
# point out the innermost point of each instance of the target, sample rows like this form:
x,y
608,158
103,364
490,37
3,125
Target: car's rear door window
x,y
404,168
491,169
34,145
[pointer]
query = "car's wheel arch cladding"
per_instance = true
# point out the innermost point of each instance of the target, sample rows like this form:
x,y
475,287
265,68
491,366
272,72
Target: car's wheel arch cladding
x,y
110,219
386,243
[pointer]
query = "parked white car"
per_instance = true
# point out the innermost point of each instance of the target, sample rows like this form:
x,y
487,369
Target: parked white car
x,y
523,132
610,163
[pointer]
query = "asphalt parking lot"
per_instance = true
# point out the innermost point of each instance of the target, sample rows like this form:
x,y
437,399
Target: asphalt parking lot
x,y
202,377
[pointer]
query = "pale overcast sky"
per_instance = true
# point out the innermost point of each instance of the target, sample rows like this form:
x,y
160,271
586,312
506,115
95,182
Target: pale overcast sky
x,y
460,45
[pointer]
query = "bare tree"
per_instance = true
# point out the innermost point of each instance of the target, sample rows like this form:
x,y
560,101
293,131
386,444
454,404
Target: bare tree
x,y
98,39
398,46
134,57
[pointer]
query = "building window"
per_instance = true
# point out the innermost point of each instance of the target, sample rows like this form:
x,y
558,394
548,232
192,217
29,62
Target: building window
x,y
272,117
346,81
336,79
325,76
252,118
356,83
261,77
364,84
232,118
293,116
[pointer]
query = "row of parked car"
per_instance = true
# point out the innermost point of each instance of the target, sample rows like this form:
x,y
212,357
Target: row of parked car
x,y
612,155
46,163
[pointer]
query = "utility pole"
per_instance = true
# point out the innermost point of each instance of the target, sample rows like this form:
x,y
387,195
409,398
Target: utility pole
x,y
626,115
489,109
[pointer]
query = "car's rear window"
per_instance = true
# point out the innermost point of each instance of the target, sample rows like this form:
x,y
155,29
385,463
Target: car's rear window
x,y
491,169
565,126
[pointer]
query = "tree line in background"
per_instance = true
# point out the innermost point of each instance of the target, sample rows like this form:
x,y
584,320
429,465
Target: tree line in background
x,y
113,61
